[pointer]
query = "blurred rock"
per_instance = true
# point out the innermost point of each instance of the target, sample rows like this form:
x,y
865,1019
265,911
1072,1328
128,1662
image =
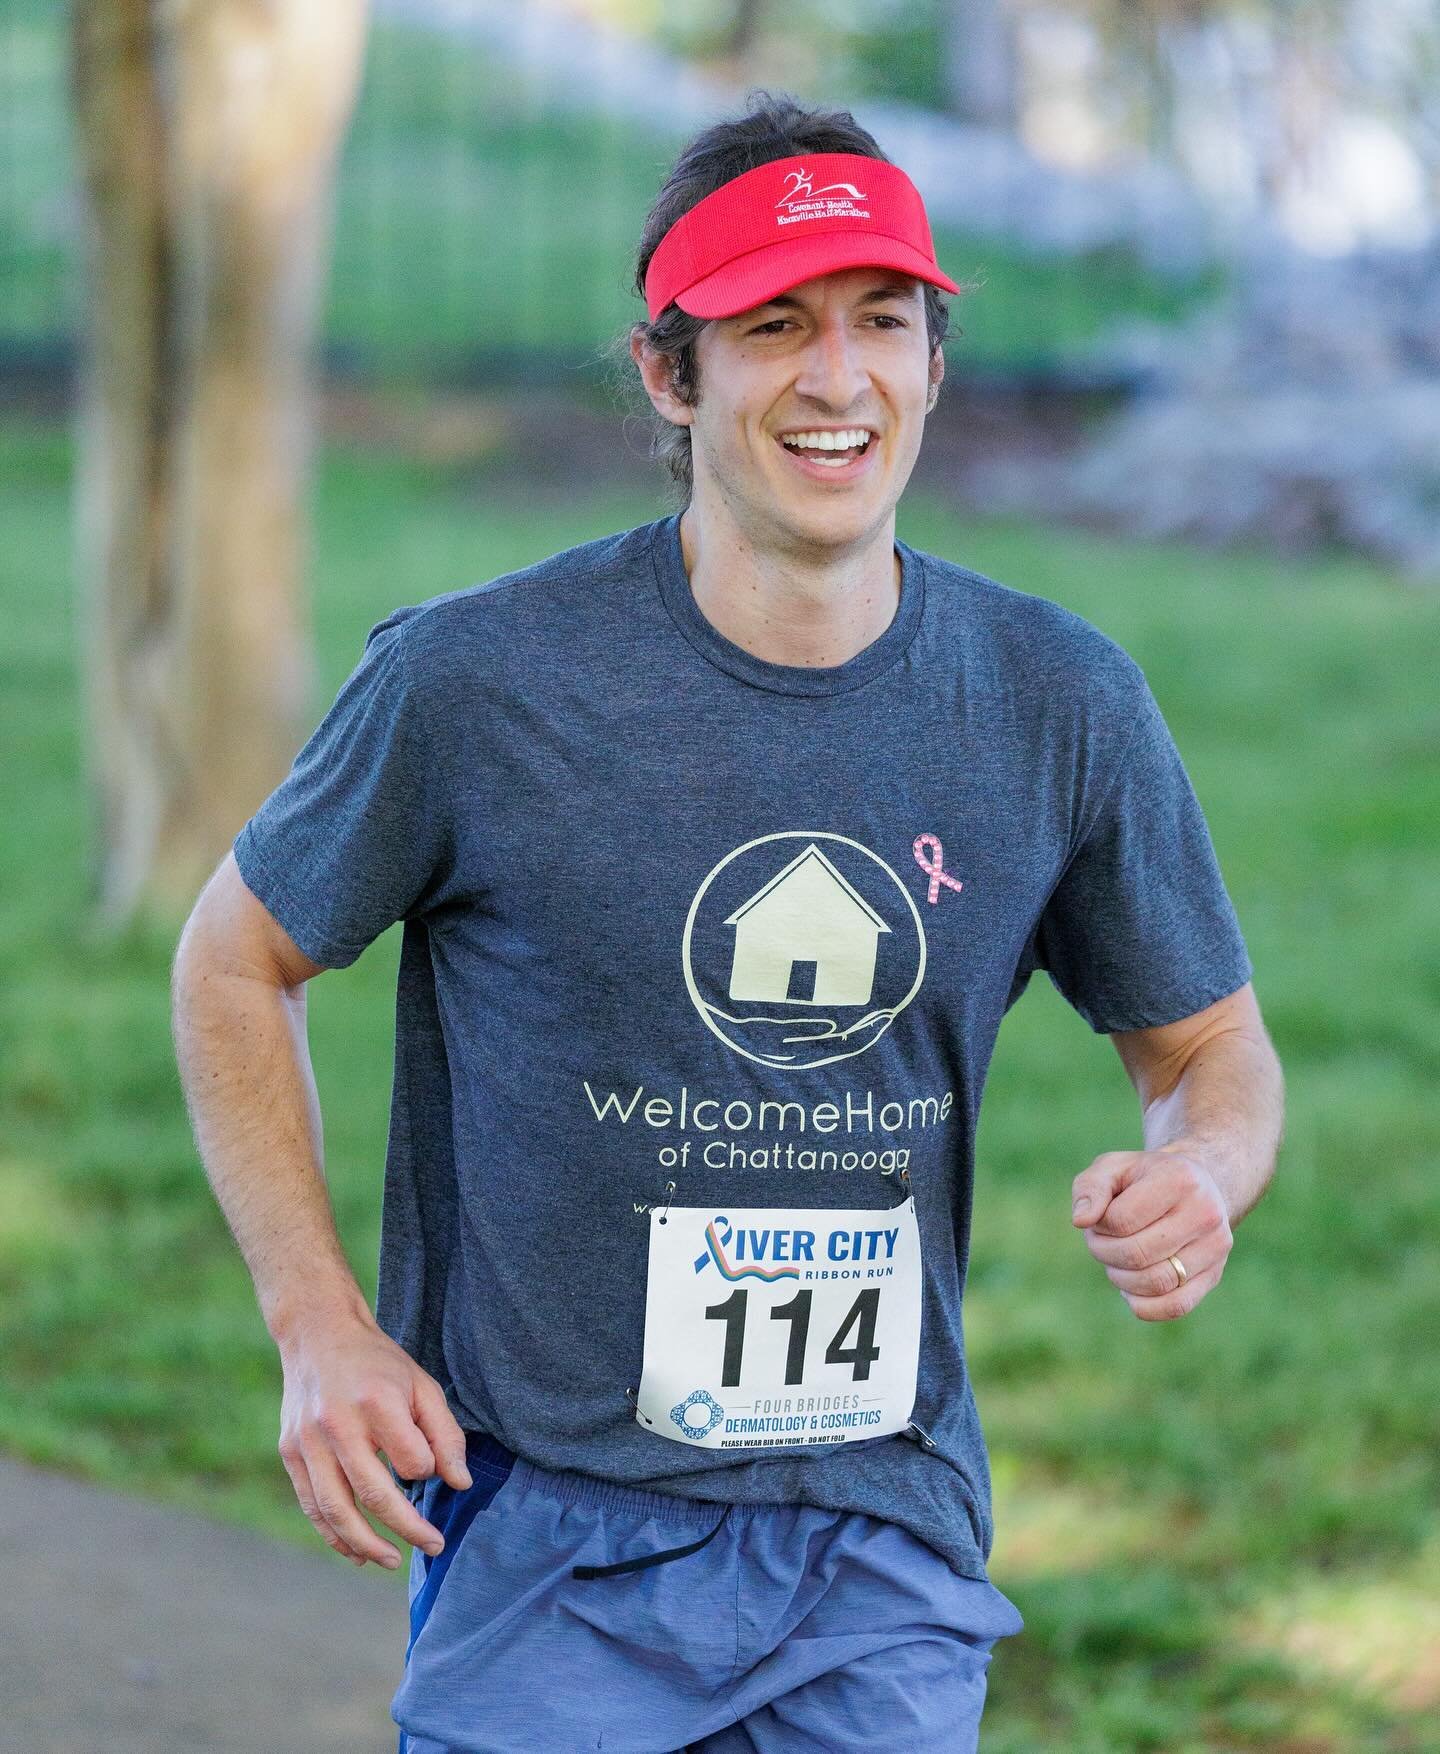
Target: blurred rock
x,y
986,182
1301,412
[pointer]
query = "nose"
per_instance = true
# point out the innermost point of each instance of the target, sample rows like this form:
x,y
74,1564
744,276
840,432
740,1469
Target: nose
x,y
832,372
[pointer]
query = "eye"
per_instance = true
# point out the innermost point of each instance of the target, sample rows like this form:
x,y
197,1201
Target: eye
x,y
777,323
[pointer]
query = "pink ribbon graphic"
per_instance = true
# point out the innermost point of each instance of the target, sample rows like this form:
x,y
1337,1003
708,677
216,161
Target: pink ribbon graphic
x,y
937,876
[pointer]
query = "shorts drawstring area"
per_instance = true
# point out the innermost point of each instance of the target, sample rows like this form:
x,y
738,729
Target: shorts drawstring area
x,y
650,1558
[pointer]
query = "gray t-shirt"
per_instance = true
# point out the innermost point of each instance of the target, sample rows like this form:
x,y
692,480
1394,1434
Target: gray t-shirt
x,y
585,803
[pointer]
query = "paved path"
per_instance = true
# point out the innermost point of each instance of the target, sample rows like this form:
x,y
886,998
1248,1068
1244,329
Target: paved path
x,y
130,1627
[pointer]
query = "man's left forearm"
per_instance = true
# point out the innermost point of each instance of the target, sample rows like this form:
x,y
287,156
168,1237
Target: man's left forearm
x,y
1228,1108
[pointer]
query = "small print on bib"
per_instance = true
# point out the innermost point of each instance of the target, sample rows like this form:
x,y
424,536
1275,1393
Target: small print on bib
x,y
771,1326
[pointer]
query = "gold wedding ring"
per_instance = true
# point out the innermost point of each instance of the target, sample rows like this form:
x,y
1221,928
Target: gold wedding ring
x,y
1174,1261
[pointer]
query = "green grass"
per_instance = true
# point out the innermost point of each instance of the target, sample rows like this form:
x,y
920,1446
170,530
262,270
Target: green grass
x,y
471,222
1222,1531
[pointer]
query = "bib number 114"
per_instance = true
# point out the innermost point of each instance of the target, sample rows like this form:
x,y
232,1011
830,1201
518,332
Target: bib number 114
x,y
861,1317
770,1327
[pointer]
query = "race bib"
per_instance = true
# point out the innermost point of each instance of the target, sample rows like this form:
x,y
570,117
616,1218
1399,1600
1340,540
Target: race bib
x,y
775,1326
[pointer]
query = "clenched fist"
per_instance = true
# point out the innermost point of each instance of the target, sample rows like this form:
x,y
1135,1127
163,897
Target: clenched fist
x,y
1138,1208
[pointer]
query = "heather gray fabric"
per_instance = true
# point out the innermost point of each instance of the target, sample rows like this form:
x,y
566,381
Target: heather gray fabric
x,y
580,797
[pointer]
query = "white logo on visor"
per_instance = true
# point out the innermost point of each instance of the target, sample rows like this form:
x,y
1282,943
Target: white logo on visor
x,y
802,200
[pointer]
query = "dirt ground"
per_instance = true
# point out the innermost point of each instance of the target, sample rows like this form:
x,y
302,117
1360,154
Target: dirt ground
x,y
546,441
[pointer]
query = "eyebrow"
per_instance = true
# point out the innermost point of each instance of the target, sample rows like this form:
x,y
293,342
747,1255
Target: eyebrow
x,y
881,294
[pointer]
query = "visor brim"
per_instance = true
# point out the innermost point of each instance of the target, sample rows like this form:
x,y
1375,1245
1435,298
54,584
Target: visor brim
x,y
749,280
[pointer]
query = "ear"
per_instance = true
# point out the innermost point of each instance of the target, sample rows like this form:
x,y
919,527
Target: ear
x,y
937,372
655,373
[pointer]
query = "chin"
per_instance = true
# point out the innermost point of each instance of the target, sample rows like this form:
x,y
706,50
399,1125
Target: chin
x,y
844,515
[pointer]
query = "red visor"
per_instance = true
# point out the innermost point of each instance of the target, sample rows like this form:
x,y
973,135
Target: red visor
x,y
787,221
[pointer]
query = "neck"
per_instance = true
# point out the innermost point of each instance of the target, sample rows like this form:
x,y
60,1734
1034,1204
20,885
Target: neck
x,y
800,605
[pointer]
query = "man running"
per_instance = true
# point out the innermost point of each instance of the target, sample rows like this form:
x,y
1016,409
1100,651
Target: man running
x,y
722,846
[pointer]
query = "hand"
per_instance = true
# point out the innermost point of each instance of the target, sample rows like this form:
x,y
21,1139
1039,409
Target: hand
x,y
1144,1206
349,1391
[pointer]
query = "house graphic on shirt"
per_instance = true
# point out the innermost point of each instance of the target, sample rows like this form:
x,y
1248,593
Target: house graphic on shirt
x,y
806,936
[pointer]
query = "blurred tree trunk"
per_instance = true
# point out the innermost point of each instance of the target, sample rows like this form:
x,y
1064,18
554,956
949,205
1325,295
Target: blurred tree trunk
x,y
207,133
738,44
744,31
981,64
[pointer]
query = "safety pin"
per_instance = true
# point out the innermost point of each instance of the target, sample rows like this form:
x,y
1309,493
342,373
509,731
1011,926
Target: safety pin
x,y
909,1189
929,1441
669,1190
634,1400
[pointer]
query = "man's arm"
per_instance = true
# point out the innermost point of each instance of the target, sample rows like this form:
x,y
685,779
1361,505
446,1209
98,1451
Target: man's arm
x,y
238,1011
1212,1084
1211,1093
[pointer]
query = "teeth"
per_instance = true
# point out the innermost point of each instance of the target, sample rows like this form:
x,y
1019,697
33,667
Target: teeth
x,y
826,441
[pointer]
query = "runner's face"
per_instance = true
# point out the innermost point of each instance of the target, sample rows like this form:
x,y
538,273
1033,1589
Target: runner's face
x,y
845,350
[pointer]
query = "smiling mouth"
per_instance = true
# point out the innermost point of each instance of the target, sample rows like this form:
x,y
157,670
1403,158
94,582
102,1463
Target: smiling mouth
x,y
821,465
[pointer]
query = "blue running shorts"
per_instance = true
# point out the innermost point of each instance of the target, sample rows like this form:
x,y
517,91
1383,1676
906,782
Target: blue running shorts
x,y
567,1613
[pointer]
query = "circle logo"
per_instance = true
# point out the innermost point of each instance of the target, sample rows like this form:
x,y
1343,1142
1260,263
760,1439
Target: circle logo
x,y
802,948
698,1414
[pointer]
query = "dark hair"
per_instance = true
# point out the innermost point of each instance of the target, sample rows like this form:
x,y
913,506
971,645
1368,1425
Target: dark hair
x,y
775,125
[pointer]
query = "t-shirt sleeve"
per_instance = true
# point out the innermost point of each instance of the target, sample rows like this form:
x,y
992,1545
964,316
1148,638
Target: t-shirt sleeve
x,y
1140,930
357,835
